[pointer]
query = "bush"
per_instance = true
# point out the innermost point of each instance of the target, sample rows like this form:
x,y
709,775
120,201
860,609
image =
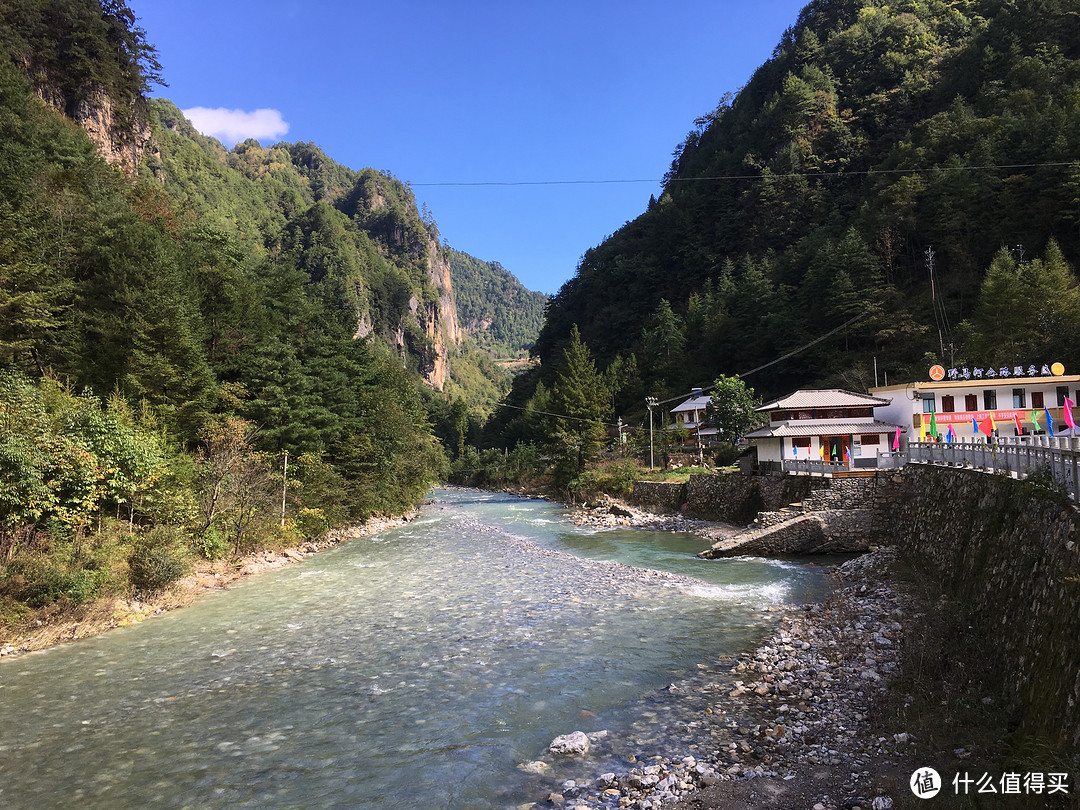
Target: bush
x,y
41,581
159,559
210,544
311,523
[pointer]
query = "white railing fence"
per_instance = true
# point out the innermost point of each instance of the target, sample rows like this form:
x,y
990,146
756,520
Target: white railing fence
x,y
1018,456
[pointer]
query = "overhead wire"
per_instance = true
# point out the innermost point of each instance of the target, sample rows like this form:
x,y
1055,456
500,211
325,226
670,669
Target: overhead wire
x,y
790,354
758,176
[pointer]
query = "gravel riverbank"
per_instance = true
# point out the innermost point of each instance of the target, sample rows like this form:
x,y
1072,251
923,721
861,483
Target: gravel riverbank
x,y
792,724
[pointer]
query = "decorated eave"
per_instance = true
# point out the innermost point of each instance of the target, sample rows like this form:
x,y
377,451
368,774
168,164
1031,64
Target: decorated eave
x,y
825,398
821,428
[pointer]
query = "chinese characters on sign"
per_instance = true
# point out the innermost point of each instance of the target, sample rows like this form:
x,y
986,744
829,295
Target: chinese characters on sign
x,y
966,373
927,783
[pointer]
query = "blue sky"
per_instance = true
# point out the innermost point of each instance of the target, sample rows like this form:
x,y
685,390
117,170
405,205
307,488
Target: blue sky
x,y
475,92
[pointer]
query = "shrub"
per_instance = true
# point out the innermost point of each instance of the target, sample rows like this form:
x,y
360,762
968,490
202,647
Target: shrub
x,y
39,581
160,558
210,543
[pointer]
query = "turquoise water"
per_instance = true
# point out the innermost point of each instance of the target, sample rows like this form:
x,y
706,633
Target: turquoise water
x,y
413,669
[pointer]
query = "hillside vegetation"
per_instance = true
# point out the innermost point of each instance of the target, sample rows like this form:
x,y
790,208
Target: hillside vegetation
x,y
494,307
169,336
913,165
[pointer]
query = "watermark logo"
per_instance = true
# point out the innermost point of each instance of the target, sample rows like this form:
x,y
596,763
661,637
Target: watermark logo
x,y
925,783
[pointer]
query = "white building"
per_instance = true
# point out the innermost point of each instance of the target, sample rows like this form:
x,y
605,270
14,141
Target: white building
x,y
962,399
831,425
691,416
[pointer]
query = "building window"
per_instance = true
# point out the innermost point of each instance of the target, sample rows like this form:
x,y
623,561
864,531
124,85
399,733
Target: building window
x,y
1019,398
1037,399
1063,393
929,403
990,400
948,404
871,438
971,402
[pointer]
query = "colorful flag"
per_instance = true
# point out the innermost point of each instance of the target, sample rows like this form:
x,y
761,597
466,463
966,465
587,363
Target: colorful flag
x,y
896,440
821,450
1068,413
1049,422
1035,419
922,430
847,454
987,425
950,437
794,450
933,425
1016,419
974,426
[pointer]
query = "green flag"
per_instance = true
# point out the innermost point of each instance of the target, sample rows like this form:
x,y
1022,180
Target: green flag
x,y
1035,419
933,425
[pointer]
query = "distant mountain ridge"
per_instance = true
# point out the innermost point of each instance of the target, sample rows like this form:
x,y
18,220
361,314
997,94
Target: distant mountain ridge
x,y
263,186
494,307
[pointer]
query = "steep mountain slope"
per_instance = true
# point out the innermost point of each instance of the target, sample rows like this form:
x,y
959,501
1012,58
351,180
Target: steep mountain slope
x,y
872,167
358,236
494,307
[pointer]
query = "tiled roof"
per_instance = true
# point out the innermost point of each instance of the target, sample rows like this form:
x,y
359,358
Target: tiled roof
x,y
821,427
693,404
823,398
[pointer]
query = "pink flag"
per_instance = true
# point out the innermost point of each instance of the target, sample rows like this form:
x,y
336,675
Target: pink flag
x,y
1068,413
896,440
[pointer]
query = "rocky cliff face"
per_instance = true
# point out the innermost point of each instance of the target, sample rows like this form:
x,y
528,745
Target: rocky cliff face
x,y
120,129
442,321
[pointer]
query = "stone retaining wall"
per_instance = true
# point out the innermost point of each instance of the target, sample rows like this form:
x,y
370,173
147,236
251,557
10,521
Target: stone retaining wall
x,y
659,496
739,498
796,535
1009,551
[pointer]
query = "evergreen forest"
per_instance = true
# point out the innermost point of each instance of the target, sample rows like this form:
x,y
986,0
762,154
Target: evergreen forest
x,y
206,351
898,186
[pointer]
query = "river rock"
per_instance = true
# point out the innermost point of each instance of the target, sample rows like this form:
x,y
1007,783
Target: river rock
x,y
538,767
574,744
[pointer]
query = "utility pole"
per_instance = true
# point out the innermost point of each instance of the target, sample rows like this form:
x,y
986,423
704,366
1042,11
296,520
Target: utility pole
x,y
652,402
284,479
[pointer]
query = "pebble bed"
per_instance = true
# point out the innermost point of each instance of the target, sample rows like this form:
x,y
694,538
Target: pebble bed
x,y
796,703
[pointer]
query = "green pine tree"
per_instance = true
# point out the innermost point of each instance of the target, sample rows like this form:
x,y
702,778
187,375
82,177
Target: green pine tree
x,y
582,406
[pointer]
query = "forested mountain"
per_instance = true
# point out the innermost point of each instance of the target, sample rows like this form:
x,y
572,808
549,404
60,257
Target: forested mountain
x,y
878,165
176,317
494,307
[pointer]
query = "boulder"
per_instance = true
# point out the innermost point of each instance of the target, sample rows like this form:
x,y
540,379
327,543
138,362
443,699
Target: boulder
x,y
574,744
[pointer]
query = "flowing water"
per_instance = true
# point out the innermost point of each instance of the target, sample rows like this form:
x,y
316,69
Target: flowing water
x,y
413,669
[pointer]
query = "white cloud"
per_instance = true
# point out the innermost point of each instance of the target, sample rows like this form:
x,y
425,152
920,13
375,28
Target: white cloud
x,y
233,126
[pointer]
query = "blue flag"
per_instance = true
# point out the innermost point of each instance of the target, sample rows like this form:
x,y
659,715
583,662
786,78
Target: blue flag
x,y
1049,422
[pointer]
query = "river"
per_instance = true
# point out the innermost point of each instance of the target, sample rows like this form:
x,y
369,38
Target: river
x,y
413,669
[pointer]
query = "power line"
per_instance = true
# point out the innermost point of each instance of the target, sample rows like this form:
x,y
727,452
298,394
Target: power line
x,y
717,178
790,354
